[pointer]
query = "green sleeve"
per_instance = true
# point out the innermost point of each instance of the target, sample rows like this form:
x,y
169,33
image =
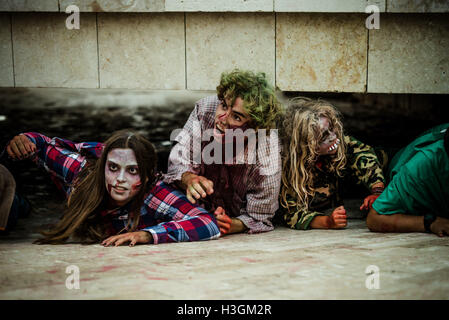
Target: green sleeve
x,y
298,217
363,163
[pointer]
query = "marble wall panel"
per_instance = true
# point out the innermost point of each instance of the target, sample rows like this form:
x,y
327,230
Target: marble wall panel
x,y
409,54
418,6
326,5
115,5
222,42
142,50
219,5
6,65
47,54
29,5
321,52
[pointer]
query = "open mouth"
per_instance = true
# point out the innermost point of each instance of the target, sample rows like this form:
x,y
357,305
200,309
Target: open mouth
x,y
219,129
119,189
334,146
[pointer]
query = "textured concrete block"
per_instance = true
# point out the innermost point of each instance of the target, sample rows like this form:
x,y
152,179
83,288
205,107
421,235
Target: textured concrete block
x,y
115,5
144,51
6,66
47,54
29,5
219,5
418,6
409,54
326,5
321,52
222,42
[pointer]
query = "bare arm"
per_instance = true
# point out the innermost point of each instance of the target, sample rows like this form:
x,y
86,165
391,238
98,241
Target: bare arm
x,y
394,223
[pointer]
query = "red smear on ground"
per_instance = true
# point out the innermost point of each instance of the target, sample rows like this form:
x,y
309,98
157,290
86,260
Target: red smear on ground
x,y
107,268
51,271
156,278
248,260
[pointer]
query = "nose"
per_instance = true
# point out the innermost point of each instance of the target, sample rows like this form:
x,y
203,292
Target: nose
x,y
224,116
121,177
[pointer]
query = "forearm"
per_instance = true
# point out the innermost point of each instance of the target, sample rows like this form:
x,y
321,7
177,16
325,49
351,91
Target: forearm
x,y
320,222
197,228
394,223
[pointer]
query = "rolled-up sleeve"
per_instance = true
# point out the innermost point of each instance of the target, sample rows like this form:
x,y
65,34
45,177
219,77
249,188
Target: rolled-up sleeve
x,y
262,195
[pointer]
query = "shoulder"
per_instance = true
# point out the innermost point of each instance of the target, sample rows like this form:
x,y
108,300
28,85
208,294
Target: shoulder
x,y
207,105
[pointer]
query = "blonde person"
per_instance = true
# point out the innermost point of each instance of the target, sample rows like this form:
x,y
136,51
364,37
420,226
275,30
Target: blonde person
x,y
317,157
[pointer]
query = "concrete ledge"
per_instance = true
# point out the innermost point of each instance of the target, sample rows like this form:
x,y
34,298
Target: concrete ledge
x,y
415,6
326,5
29,5
404,6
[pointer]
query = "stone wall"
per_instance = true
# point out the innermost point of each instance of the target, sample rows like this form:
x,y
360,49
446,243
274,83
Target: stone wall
x,y
313,46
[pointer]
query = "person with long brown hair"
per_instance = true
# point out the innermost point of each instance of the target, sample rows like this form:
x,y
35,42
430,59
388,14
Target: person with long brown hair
x,y
317,156
113,193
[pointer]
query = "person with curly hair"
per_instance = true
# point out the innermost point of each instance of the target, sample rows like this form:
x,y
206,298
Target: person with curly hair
x,y
224,157
113,193
317,158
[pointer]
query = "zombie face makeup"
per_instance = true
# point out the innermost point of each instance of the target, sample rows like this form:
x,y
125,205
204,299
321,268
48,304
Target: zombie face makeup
x,y
227,117
329,142
122,175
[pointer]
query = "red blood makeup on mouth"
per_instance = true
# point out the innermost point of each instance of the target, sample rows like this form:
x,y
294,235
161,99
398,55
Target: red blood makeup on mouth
x,y
109,188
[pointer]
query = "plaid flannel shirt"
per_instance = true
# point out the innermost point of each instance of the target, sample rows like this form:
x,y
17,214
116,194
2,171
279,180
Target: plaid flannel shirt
x,y
166,213
248,192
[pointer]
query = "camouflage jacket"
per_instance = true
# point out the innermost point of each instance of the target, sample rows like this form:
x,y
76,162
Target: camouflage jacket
x,y
362,167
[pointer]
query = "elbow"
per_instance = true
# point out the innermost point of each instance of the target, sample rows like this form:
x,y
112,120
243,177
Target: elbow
x,y
372,221
380,223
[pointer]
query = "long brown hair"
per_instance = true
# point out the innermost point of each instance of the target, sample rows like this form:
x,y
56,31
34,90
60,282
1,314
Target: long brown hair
x,y
82,218
300,135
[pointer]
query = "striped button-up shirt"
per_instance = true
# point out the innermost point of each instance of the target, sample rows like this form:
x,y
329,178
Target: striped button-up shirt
x,y
166,212
247,191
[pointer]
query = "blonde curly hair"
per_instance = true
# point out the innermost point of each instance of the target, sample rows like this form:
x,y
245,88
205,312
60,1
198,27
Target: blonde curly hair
x,y
300,136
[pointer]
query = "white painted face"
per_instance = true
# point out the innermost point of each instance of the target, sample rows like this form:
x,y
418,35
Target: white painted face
x,y
329,141
122,175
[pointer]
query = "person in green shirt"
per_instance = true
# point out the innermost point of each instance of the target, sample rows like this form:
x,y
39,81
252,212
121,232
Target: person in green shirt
x,y
417,197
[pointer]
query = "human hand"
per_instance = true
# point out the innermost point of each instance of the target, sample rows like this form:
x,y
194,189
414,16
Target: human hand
x,y
196,186
20,147
440,227
338,218
223,220
368,202
132,237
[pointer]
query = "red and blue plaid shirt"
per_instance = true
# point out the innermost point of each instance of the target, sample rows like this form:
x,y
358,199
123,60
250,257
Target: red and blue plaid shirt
x,y
166,212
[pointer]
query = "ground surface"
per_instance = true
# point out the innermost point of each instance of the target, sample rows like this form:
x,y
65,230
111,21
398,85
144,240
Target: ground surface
x,y
282,264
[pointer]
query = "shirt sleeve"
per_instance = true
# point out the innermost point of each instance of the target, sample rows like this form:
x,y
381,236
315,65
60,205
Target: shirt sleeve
x,y
182,220
363,162
391,201
262,197
298,217
62,158
186,154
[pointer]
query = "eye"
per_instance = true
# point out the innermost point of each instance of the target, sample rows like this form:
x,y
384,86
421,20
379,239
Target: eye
x,y
324,136
237,118
113,167
133,170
